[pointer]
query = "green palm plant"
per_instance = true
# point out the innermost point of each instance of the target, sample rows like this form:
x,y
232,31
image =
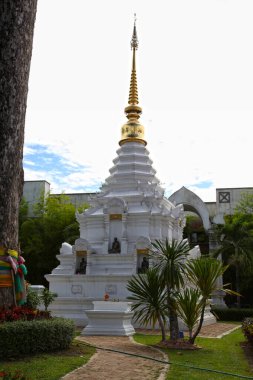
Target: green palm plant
x,y
189,304
149,299
203,273
169,261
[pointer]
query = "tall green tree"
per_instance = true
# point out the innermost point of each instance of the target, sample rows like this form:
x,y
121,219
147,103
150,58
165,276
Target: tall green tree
x,y
245,205
41,236
169,261
23,211
149,299
235,239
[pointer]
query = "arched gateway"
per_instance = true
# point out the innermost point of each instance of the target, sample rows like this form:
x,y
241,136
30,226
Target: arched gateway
x,y
192,202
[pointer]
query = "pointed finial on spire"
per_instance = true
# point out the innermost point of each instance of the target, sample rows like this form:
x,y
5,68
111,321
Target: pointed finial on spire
x,y
133,130
134,40
133,93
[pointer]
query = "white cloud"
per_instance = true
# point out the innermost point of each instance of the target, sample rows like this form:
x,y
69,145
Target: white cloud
x,y
29,162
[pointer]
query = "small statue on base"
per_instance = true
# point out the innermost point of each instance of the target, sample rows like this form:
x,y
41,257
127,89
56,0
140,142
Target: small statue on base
x,y
144,266
82,267
115,246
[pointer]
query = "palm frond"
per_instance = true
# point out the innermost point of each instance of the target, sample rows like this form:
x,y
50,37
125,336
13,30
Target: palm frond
x,y
189,306
148,297
169,260
204,272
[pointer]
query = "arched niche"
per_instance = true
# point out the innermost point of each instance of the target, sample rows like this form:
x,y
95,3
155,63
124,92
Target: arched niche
x,y
115,208
143,244
80,249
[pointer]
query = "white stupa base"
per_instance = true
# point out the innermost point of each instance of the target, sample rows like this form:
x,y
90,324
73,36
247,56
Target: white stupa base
x,y
109,318
73,308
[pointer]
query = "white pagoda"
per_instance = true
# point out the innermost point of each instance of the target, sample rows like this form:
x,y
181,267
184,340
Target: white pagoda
x,y
116,231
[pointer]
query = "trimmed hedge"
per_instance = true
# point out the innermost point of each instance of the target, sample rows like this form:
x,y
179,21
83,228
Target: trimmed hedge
x,y
233,314
31,337
247,328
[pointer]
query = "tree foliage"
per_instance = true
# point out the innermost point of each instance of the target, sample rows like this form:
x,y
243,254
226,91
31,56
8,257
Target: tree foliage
x,y
175,287
149,299
41,236
23,211
189,304
47,297
169,261
245,205
235,240
195,233
203,274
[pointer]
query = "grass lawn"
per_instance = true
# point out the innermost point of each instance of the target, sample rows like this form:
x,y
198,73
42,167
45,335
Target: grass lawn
x,y
50,366
223,354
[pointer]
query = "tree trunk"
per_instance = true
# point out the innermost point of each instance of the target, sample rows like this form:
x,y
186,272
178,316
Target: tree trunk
x,y
17,19
161,324
201,320
174,329
237,285
173,319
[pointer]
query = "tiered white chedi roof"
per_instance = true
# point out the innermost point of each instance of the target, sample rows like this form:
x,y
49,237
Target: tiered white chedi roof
x,y
132,179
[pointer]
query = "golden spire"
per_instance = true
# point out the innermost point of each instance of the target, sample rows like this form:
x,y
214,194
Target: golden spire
x,y
133,130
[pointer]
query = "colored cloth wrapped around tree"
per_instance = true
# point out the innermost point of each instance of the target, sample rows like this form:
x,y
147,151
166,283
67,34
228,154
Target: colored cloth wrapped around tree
x,y
8,262
5,275
8,267
20,287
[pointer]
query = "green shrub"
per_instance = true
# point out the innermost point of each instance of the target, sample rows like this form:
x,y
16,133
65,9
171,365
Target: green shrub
x,y
247,328
47,297
32,299
233,314
30,337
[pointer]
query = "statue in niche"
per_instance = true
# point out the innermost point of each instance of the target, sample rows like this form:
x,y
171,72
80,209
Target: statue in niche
x,y
82,266
144,265
115,246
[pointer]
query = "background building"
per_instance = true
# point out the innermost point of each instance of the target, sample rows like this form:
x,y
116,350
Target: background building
x,y
210,212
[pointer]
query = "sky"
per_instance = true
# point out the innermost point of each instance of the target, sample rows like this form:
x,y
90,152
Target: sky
x,y
195,83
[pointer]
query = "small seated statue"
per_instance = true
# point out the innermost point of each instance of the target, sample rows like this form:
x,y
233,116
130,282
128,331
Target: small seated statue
x,y
115,246
144,265
82,267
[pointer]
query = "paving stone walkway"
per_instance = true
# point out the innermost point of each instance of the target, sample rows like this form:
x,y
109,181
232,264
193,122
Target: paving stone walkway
x,y
115,366
106,365
216,330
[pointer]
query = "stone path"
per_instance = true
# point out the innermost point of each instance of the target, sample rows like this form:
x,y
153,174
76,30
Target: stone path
x,y
106,365
114,366
216,330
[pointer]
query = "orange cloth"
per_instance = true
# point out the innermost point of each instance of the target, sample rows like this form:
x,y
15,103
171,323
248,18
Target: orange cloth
x,y
6,280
